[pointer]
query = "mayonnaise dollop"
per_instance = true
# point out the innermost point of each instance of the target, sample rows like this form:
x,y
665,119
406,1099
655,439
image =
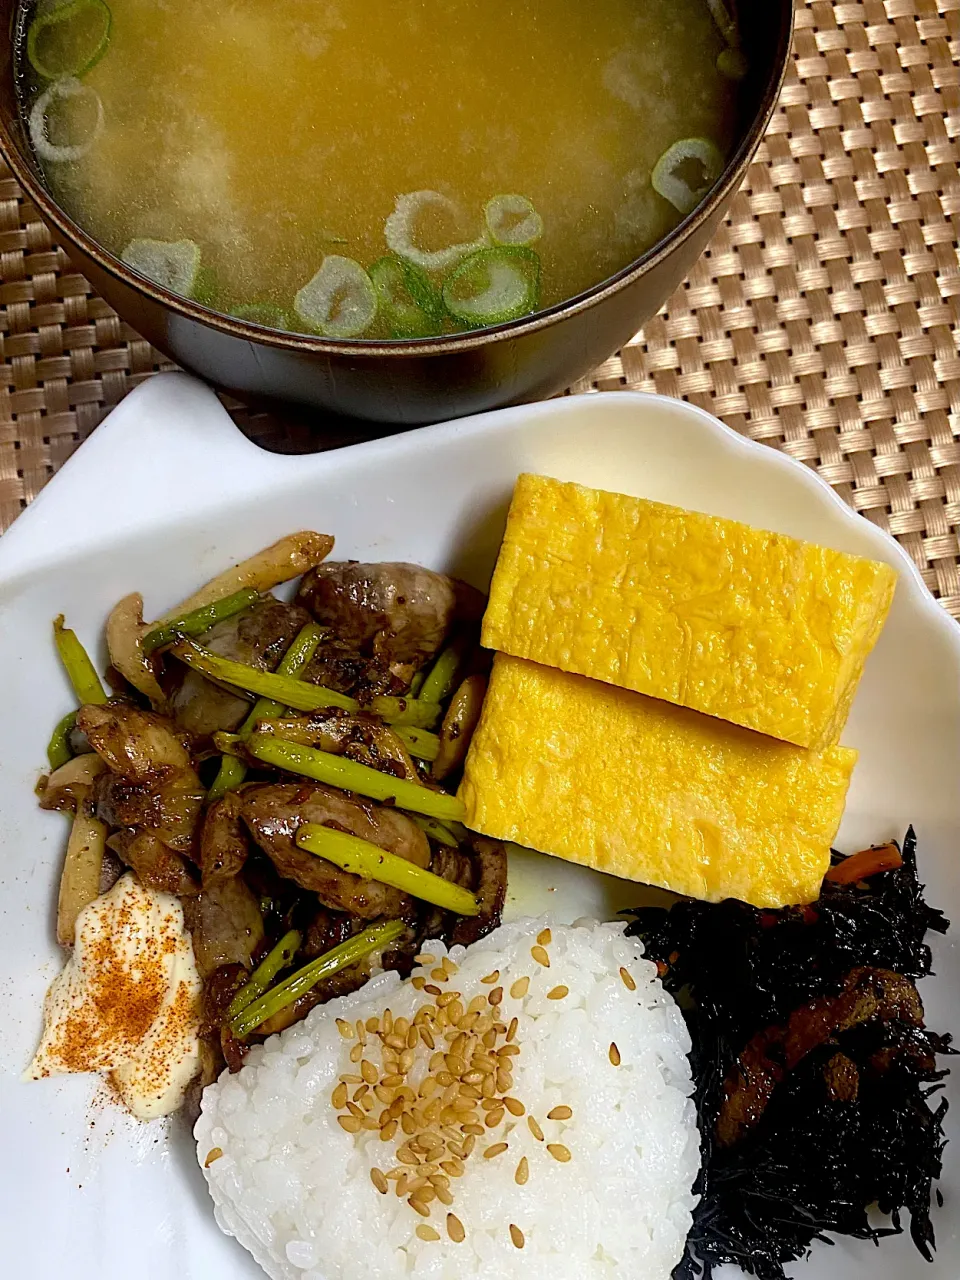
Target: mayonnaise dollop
x,y
127,1003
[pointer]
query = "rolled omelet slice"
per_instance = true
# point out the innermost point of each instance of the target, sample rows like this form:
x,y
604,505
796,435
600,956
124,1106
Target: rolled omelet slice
x,y
750,626
651,792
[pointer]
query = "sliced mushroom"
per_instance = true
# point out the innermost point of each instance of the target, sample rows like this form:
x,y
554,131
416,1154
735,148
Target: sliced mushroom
x,y
459,723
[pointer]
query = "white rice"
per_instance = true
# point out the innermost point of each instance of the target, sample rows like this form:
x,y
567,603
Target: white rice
x,y
295,1189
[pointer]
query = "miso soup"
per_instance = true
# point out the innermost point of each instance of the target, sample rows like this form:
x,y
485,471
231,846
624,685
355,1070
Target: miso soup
x,y
392,169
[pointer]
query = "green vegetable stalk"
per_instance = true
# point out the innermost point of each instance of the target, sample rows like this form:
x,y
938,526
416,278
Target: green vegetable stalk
x,y
58,748
376,938
438,831
198,621
419,742
367,860
232,769
338,771
82,673
279,958
299,694
442,675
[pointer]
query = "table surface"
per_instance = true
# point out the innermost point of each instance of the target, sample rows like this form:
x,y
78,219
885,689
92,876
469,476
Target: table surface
x,y
823,319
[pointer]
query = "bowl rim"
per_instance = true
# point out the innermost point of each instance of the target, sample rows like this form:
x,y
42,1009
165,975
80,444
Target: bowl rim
x,y
461,343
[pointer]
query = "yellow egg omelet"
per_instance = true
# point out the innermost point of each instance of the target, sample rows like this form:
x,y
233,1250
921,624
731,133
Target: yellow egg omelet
x,y
649,791
750,626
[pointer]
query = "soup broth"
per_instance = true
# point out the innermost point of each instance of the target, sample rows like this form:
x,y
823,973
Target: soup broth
x,y
442,164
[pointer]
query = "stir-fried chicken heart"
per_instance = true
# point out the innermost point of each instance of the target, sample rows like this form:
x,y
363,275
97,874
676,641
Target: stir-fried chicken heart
x,y
275,811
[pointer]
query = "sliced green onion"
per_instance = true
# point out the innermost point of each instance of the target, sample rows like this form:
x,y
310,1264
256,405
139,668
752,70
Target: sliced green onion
x,y
669,182
300,694
733,64
438,831
377,938
443,674
82,673
400,230
172,264
370,862
198,621
338,771
279,958
493,286
39,121
340,301
512,220
232,770
419,742
68,39
264,314
58,748
409,304
725,22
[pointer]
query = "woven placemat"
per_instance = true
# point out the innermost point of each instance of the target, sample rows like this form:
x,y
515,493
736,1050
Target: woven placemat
x,y
823,320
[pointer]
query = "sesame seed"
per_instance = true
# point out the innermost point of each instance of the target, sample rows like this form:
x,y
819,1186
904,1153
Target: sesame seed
x,y
520,988
544,937
439,975
372,1025
369,1072
427,1233
559,1151
388,1131
494,1118
470,1141
350,1124
425,958
514,1106
431,989
420,1206
523,1171
356,1053
512,1029
350,1079
627,978
355,1110
387,1022
455,1228
558,993
339,1096
559,1113
474,1130
450,967
508,1051
379,1181
213,1154
535,1128
446,999
418,983
491,978
516,1235
495,996
540,956
444,1196
497,1149
614,1054
345,1029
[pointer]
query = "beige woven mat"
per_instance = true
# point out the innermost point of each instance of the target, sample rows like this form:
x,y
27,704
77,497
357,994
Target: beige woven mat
x,y
823,320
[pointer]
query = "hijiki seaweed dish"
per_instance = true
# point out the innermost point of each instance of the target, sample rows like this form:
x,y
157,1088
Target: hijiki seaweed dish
x,y
285,904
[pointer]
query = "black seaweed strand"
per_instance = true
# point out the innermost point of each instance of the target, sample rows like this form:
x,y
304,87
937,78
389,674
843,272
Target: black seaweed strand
x,y
813,1164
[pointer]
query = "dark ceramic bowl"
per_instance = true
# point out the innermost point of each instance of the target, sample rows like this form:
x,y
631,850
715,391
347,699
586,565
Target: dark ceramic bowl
x,y
432,378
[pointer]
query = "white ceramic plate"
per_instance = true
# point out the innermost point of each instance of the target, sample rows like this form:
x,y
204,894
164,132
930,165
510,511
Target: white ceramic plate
x,y
164,495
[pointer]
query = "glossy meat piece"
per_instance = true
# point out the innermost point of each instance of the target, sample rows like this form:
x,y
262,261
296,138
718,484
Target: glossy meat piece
x,y
224,843
327,930
362,738
140,746
490,886
398,613
156,866
868,994
225,924
275,811
259,636
168,807
337,665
